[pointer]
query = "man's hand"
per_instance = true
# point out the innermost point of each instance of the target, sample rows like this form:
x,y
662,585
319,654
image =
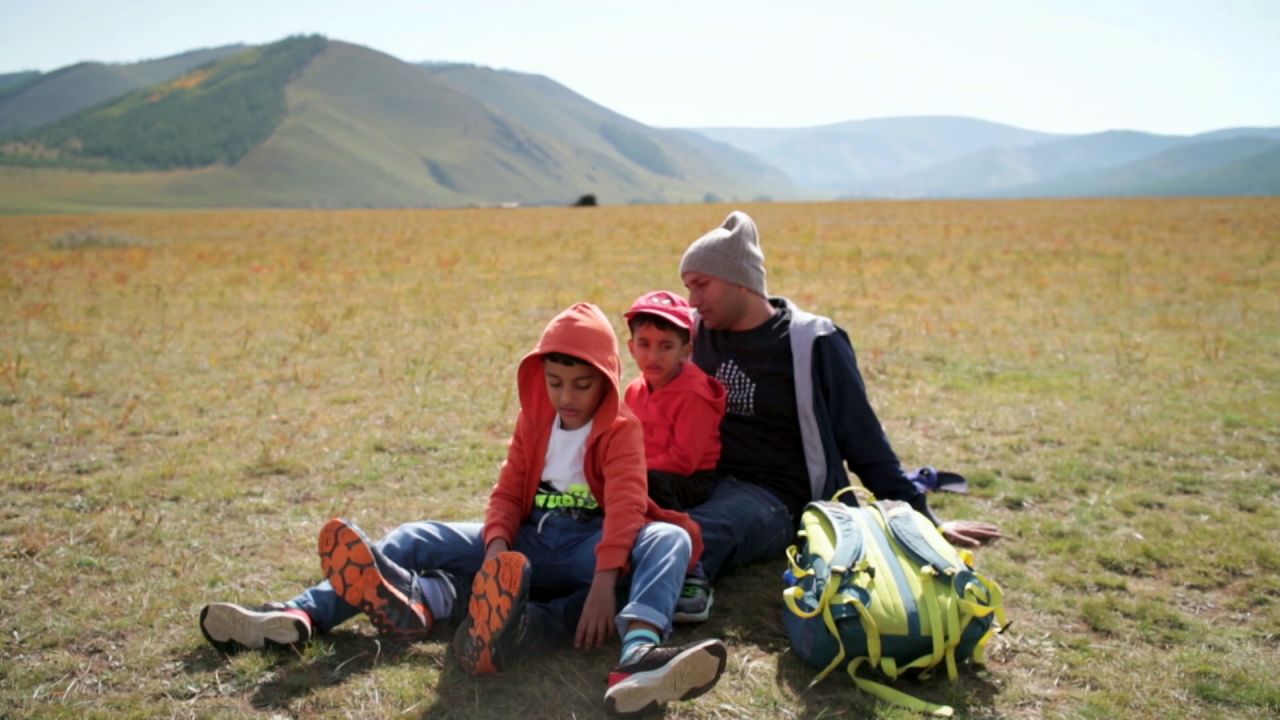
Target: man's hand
x,y
969,533
596,624
495,547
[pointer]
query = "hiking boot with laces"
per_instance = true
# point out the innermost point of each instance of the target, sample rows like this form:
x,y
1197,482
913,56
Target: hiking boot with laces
x,y
496,628
362,576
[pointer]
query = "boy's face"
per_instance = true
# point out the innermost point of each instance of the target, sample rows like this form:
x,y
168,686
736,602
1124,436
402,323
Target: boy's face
x,y
658,353
575,392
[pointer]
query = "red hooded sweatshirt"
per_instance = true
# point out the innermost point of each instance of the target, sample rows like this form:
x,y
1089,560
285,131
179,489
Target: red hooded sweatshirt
x,y
681,420
614,463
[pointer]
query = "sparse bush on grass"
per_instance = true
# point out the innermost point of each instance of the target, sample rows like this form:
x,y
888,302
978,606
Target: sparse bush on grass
x,y
179,417
93,236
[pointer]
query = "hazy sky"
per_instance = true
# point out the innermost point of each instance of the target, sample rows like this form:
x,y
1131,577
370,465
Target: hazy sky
x,y
1176,66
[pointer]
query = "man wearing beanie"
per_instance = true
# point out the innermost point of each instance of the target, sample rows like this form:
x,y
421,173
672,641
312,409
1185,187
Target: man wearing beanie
x,y
797,408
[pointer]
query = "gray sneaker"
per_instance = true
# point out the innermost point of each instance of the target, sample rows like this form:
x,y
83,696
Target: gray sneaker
x,y
694,605
232,628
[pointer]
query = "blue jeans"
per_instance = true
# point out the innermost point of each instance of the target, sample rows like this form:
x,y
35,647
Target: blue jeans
x,y
561,552
742,523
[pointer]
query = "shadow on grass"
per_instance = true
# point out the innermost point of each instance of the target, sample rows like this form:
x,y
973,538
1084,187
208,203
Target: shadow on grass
x,y
293,675
353,654
571,683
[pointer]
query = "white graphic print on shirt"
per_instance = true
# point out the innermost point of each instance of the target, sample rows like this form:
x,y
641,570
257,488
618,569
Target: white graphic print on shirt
x,y
741,389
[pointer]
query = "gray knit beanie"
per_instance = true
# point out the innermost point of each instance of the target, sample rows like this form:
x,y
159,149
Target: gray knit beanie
x,y
731,252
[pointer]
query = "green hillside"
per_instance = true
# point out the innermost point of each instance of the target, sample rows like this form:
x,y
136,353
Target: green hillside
x,y
363,129
11,83
1207,167
1256,174
674,159
35,99
213,114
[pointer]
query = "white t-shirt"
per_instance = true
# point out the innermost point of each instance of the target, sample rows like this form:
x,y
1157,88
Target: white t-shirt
x,y
566,453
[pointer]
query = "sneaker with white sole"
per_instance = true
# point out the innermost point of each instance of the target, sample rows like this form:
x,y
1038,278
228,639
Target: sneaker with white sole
x,y
232,628
664,674
694,603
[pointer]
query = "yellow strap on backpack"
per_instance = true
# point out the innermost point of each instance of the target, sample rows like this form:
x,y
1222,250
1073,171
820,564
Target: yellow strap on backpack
x,y
869,629
896,697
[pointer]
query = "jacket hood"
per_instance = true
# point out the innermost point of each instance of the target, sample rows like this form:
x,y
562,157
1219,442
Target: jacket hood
x,y
583,331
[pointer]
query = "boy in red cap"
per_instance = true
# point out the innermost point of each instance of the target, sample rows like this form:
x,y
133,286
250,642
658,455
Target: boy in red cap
x,y
680,408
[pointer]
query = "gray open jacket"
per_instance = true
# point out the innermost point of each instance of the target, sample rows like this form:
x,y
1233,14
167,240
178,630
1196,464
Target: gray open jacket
x,y
837,424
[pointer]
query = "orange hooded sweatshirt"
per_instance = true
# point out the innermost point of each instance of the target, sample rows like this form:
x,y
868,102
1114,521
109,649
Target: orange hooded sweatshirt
x,y
614,463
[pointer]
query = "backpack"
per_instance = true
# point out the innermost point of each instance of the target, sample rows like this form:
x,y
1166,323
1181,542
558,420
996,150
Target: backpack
x,y
878,589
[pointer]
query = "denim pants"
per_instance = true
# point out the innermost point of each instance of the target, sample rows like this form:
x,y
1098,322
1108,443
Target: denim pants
x,y
561,552
742,523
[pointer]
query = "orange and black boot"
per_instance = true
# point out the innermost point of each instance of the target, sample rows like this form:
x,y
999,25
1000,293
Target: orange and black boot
x,y
494,631
365,578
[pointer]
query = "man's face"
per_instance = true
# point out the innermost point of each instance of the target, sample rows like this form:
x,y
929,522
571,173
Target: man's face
x,y
575,391
658,353
720,304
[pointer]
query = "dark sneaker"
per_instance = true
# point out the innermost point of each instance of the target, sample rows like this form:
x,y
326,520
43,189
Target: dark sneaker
x,y
365,578
662,674
489,638
694,605
231,628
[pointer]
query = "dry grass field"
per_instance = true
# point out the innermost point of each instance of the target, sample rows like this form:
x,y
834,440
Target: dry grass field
x,y
186,398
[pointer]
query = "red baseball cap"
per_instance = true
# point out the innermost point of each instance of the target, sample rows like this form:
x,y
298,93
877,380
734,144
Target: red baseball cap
x,y
666,305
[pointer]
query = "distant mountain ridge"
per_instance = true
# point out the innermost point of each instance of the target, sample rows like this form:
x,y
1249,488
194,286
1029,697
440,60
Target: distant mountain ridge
x,y
348,126
954,157
358,128
833,158
607,139
34,99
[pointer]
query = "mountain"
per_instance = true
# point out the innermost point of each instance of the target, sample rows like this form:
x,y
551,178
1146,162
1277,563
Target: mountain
x,y
1236,165
16,80
608,139
361,128
999,168
310,122
213,114
837,158
1121,162
955,157
33,99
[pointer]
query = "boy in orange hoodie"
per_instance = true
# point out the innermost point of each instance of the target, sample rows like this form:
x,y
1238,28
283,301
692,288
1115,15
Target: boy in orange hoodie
x,y
568,518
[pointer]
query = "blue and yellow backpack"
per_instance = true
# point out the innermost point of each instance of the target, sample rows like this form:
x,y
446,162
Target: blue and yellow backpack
x,y
876,589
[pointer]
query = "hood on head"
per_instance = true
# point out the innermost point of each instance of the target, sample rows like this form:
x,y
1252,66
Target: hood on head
x,y
583,331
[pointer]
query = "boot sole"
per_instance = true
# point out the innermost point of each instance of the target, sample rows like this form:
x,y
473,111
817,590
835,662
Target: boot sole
x,y
688,675
498,593
348,565
231,628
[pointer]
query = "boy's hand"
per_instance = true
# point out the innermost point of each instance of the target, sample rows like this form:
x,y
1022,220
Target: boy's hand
x,y
495,547
596,624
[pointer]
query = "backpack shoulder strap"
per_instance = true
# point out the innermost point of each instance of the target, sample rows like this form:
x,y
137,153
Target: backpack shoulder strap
x,y
846,536
919,539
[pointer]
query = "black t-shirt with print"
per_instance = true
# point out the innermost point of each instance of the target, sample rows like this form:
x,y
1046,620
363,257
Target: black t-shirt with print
x,y
760,435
